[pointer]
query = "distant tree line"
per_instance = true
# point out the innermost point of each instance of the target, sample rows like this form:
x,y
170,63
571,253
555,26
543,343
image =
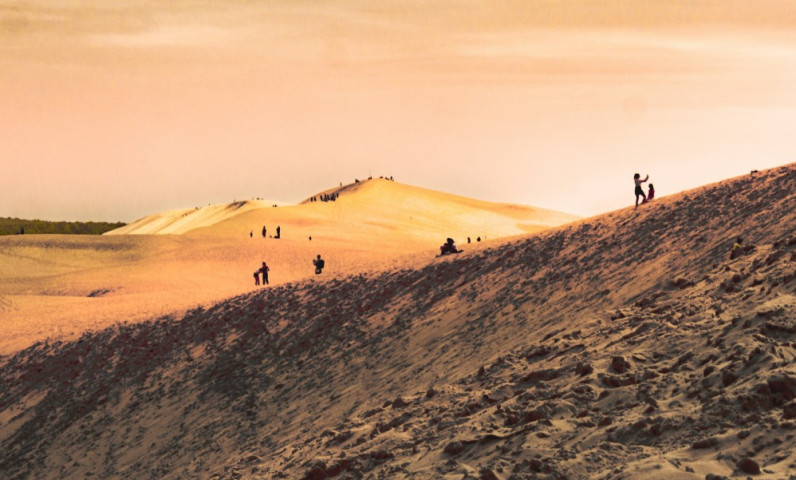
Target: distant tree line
x,y
15,226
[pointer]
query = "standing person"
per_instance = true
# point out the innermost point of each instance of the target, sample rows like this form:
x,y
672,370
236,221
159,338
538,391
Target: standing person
x,y
257,277
251,234
639,192
319,264
264,231
264,269
278,232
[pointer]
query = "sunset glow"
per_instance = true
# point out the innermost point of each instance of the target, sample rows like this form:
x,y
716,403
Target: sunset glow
x,y
116,112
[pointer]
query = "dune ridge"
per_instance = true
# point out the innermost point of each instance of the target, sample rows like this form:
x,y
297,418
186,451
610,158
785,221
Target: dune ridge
x,y
424,212
623,346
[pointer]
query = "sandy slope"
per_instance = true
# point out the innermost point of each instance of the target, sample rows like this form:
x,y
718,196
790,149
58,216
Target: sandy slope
x,y
623,346
60,286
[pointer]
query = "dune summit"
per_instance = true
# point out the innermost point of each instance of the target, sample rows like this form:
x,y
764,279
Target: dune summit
x,y
378,207
627,345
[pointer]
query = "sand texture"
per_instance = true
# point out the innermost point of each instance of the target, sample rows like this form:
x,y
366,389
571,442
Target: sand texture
x,y
627,345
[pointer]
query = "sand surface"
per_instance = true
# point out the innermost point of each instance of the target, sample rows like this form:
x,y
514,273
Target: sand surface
x,y
623,346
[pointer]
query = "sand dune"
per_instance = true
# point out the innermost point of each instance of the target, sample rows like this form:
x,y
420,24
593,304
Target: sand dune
x,y
367,206
627,345
166,263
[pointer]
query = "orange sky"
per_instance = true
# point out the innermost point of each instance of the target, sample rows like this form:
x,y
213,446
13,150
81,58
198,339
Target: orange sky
x,y
115,112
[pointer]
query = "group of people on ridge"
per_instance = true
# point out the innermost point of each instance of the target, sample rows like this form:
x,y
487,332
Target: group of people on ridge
x,y
326,197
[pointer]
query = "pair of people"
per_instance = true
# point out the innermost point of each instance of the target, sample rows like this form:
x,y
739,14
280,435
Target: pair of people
x,y
264,271
448,247
640,192
265,231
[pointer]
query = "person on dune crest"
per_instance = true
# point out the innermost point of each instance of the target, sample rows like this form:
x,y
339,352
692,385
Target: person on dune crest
x,y
639,191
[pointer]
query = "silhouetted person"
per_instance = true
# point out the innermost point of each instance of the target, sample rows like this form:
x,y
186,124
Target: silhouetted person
x,y
651,193
264,269
468,239
257,277
278,232
639,191
319,264
478,239
251,234
264,231
310,238
22,230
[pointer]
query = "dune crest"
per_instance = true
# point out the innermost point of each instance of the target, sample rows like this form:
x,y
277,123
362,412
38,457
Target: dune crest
x,y
374,202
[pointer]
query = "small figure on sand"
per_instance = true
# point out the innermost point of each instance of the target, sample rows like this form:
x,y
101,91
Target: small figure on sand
x,y
264,269
639,192
257,277
738,249
278,232
264,231
319,264
448,247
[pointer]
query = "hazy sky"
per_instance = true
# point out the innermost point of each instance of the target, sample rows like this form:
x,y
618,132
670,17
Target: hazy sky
x,y
112,110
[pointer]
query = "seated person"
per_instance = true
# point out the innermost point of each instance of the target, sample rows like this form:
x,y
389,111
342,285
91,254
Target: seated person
x,y
448,247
